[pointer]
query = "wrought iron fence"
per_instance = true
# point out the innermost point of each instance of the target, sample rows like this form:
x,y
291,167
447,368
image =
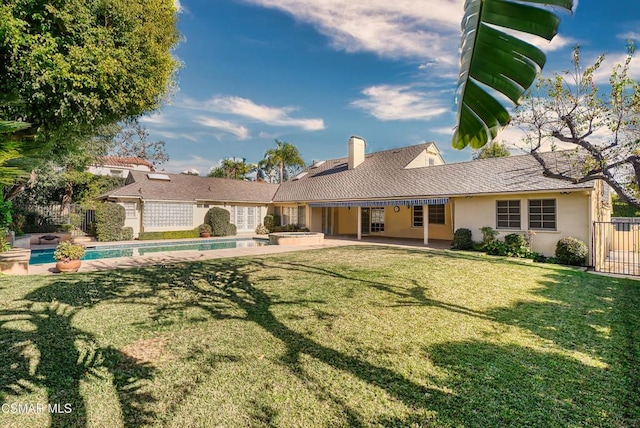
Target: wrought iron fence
x,y
616,246
79,218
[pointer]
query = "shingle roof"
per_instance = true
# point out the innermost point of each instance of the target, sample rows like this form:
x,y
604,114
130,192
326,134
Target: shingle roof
x,y
382,175
183,187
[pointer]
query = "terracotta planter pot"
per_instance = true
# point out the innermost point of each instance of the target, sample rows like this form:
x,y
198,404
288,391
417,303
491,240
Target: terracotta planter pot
x,y
70,266
205,234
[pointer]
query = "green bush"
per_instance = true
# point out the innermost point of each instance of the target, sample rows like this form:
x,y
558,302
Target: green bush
x,y
488,234
127,234
462,240
109,221
232,230
218,219
571,251
290,228
173,234
518,245
261,230
204,228
66,251
271,221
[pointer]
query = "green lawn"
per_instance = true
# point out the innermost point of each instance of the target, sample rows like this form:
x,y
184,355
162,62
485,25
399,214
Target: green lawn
x,y
352,336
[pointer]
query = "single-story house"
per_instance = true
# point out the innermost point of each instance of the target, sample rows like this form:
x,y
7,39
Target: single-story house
x,y
156,202
408,192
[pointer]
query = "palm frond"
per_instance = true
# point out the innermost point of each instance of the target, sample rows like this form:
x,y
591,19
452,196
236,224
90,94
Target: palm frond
x,y
492,58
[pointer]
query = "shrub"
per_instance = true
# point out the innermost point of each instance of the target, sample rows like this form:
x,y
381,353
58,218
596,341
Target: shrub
x,y
488,234
232,230
109,221
497,248
462,240
218,219
126,234
172,234
261,230
290,228
66,251
271,221
571,251
518,245
204,228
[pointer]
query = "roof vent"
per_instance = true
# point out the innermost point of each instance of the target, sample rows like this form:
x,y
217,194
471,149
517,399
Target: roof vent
x,y
317,164
162,177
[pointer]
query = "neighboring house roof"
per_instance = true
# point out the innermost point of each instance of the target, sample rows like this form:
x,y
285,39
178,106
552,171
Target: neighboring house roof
x,y
124,162
184,187
383,175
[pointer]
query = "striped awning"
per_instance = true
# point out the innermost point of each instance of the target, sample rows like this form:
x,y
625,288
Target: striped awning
x,y
387,203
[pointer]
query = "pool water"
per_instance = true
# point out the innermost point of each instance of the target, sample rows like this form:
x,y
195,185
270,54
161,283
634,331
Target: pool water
x,y
39,257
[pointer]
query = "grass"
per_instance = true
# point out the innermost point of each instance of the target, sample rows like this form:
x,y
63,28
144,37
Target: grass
x,y
356,336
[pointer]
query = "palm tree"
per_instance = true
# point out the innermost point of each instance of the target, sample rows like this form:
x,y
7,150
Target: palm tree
x,y
233,168
504,63
282,156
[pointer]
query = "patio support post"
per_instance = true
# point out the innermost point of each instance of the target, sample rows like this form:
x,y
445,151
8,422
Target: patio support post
x,y
425,223
359,214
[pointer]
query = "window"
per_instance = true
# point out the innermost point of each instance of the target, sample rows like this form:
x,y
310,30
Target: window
x,y
418,217
508,214
289,215
542,214
377,219
129,209
167,214
436,214
302,220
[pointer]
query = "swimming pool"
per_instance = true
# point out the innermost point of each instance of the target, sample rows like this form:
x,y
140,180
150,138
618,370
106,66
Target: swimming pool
x,y
39,257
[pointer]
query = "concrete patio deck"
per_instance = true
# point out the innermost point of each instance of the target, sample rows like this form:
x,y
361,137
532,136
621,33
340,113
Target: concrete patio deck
x,y
197,255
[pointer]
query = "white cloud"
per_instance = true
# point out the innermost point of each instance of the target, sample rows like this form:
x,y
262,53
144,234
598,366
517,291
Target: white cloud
x,y
393,29
444,131
629,35
156,119
275,116
241,132
604,72
178,6
389,102
198,163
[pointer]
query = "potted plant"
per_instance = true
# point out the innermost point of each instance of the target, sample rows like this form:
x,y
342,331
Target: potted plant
x,y
205,230
68,256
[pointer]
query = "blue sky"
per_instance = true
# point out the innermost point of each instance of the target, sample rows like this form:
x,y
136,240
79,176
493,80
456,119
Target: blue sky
x,y
314,72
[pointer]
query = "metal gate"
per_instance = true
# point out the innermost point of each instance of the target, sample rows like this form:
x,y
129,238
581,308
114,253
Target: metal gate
x,y
616,246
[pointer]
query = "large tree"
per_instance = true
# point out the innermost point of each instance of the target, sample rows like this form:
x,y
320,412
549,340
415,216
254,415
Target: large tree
x,y
492,58
601,129
77,65
282,160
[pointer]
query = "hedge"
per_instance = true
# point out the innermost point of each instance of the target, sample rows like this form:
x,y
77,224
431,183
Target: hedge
x,y
571,251
109,221
173,234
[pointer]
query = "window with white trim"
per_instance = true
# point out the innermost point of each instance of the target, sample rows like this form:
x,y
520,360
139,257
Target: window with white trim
x,y
377,219
129,209
508,214
542,214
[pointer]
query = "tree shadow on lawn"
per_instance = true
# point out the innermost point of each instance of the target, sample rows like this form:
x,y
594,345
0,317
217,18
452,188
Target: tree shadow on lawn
x,y
42,349
486,384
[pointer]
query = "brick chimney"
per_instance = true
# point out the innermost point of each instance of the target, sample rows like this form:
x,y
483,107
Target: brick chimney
x,y
356,151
